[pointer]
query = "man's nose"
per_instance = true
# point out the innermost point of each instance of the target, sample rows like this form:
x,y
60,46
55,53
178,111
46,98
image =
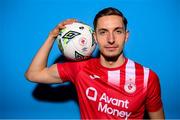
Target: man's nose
x,y
111,38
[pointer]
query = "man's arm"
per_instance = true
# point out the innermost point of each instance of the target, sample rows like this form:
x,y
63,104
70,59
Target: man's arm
x,y
38,70
157,115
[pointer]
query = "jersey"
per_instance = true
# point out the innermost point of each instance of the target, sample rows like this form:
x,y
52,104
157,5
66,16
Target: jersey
x,y
113,93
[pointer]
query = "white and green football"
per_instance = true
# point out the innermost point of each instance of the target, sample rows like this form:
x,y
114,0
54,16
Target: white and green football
x,y
76,41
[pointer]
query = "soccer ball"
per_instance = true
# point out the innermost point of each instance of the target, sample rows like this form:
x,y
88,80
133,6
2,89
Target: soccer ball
x,y
76,41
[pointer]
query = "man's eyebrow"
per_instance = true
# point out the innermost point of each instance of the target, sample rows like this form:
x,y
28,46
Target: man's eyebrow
x,y
122,28
102,29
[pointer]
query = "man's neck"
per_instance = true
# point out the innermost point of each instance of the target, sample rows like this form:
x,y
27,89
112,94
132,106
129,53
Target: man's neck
x,y
112,63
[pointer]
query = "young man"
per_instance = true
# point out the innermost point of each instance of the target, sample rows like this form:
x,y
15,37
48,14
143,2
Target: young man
x,y
109,87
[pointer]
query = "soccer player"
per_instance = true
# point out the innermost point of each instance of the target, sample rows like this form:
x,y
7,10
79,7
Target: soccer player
x,y
109,87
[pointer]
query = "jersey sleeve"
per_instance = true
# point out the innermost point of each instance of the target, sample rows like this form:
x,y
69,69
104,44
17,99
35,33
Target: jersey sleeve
x,y
68,71
153,101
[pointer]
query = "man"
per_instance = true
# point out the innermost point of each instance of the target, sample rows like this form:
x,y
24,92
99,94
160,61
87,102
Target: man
x,y
108,87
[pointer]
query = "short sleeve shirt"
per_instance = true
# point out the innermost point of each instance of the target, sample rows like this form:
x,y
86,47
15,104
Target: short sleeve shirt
x,y
113,93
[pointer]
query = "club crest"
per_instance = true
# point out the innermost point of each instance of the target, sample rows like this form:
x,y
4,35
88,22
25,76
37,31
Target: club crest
x,y
130,87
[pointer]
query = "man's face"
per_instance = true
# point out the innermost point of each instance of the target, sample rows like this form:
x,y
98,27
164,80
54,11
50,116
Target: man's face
x,y
110,35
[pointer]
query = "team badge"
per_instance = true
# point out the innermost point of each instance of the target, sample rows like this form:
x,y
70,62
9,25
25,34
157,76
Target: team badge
x,y
130,87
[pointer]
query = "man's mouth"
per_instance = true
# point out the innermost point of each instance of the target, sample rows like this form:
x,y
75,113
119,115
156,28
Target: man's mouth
x,y
111,48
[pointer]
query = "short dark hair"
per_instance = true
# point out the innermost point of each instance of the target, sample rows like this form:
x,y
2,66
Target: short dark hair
x,y
109,11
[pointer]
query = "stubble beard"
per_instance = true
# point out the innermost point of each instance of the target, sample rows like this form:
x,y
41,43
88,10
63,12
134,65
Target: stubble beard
x,y
112,58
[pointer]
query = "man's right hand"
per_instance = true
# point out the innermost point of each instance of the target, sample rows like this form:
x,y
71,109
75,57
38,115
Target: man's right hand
x,y
54,33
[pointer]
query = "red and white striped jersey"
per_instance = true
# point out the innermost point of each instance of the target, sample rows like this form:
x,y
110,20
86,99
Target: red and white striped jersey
x,y
113,93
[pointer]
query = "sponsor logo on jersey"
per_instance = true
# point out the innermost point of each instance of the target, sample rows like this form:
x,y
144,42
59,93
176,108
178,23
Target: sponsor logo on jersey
x,y
94,77
107,104
91,93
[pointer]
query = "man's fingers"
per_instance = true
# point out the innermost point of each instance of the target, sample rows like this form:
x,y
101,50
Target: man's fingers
x,y
68,21
61,26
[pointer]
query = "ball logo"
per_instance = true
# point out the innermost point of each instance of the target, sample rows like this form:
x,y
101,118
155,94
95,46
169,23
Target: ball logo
x,y
82,41
71,35
91,93
130,87
78,55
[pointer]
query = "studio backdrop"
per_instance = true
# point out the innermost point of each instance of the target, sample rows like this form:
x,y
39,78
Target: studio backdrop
x,y
25,24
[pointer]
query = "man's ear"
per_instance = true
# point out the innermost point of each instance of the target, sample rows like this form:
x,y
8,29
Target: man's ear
x,y
127,36
94,35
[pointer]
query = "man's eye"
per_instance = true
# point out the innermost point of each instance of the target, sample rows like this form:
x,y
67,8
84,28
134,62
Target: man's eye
x,y
102,32
119,31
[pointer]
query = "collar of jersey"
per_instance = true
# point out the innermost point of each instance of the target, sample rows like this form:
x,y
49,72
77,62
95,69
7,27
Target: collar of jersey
x,y
116,68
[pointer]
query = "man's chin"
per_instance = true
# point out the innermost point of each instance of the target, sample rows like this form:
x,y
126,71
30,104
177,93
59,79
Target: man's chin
x,y
111,57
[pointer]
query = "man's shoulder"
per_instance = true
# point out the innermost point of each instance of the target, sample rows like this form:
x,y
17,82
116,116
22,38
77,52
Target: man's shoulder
x,y
145,68
89,62
81,64
139,65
